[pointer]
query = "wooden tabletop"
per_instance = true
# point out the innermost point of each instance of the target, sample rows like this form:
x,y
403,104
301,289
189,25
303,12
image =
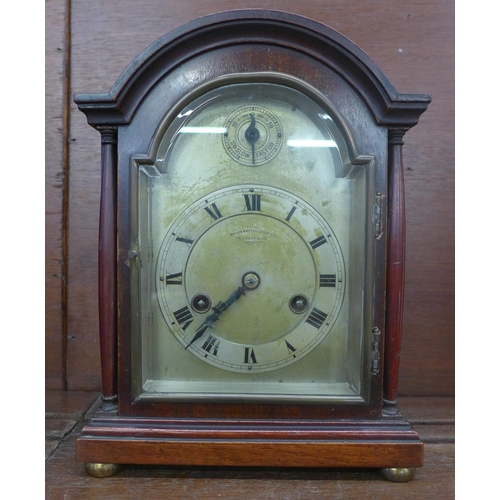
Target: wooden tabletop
x,y
66,413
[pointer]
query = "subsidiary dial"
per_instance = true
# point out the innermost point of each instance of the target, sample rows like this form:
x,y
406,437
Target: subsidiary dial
x,y
254,135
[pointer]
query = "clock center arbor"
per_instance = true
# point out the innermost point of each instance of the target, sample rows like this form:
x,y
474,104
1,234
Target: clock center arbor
x,y
251,251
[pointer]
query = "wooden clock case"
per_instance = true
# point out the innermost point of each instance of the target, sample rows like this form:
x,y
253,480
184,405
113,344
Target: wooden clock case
x,y
128,432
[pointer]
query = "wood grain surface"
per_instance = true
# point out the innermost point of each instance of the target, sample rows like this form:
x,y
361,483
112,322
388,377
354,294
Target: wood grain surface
x,y
66,478
55,174
413,43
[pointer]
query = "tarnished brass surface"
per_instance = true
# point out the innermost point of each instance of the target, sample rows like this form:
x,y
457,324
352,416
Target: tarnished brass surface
x,y
398,474
102,470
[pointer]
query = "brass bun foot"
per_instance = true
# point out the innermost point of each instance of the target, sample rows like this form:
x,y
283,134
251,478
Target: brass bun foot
x,y
398,474
102,470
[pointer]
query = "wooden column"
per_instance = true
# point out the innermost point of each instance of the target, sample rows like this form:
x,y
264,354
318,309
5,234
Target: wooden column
x,y
395,269
107,269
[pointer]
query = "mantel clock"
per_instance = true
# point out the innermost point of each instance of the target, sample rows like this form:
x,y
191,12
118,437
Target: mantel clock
x,y
251,253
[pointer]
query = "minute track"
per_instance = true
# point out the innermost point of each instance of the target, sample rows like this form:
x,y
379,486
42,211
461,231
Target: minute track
x,y
251,232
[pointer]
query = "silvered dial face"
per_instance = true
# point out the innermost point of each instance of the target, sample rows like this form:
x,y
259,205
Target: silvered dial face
x,y
268,253
252,235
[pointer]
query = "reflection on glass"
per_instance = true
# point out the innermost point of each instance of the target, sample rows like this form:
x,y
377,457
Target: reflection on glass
x,y
308,143
203,130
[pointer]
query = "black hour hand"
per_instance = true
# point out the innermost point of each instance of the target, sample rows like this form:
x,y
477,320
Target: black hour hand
x,y
252,135
218,310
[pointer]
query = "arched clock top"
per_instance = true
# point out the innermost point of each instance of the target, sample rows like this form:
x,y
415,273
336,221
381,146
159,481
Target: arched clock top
x,y
261,27
252,250
208,91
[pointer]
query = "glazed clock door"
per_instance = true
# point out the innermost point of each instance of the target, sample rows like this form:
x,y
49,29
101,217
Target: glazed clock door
x,y
253,237
251,302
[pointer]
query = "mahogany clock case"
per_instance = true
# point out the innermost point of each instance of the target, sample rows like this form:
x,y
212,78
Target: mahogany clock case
x,y
146,96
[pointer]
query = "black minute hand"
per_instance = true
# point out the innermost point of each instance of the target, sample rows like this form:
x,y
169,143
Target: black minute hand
x,y
252,135
218,310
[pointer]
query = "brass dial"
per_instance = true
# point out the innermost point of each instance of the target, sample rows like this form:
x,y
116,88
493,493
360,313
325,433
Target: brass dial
x,y
252,236
254,135
270,264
